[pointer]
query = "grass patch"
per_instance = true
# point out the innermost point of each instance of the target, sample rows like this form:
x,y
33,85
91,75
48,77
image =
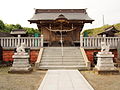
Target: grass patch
x,y
20,81
102,82
4,70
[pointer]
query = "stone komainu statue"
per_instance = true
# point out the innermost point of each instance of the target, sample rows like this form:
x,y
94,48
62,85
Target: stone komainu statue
x,y
21,48
104,47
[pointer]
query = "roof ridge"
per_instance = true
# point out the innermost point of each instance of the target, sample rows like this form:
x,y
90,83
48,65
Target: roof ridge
x,y
60,11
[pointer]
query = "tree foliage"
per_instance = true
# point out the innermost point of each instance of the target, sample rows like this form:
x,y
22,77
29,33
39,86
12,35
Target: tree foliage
x,y
9,27
2,26
31,30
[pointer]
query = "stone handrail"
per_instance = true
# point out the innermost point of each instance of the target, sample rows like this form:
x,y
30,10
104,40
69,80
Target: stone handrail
x,y
12,42
95,42
37,42
39,58
88,63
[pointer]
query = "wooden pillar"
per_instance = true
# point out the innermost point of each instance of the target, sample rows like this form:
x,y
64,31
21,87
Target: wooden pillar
x,y
72,35
50,34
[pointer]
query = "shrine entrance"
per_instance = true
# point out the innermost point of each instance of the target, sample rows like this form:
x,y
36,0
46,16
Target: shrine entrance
x,y
55,24
62,36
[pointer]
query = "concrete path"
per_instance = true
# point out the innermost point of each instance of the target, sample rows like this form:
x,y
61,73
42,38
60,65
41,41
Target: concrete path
x,y
64,80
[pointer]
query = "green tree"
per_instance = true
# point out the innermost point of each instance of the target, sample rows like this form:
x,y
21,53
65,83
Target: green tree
x,y
9,27
2,25
18,26
31,30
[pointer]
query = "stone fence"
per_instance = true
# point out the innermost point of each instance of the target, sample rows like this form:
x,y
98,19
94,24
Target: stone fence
x,y
30,42
95,42
37,42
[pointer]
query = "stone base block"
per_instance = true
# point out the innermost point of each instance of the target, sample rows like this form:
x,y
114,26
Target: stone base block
x,y
20,70
105,68
106,72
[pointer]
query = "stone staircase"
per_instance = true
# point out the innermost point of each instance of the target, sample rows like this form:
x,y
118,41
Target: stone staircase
x,y
72,58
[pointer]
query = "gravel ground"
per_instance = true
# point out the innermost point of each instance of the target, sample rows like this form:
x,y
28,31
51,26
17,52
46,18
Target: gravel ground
x,y
32,81
102,82
20,81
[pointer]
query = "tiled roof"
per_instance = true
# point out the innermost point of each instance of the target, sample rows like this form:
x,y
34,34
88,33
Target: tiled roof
x,y
53,16
70,14
18,31
5,34
112,28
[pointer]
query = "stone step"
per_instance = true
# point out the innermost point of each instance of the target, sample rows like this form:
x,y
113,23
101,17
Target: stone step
x,y
64,67
64,57
52,58
21,62
65,54
59,60
59,50
63,48
63,60
63,63
83,65
59,55
18,60
20,65
55,61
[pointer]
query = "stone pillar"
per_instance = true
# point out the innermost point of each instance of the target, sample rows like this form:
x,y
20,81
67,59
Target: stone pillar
x,y
42,41
104,36
81,40
19,40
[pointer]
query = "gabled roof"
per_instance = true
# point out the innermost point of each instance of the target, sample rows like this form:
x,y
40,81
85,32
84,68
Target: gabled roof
x,y
111,29
5,34
52,14
18,31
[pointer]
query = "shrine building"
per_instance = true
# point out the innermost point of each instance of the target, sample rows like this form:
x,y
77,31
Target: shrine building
x,y
61,24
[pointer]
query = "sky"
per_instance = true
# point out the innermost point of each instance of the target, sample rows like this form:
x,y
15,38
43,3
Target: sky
x,y
20,11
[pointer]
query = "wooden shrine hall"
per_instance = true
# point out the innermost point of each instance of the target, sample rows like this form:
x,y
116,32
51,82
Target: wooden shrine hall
x,y
109,32
61,24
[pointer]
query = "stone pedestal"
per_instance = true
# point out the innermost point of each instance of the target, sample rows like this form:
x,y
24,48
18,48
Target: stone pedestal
x,y
105,63
20,63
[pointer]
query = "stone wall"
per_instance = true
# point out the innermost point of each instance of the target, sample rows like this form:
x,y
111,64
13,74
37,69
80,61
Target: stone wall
x,y
7,55
90,53
33,55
